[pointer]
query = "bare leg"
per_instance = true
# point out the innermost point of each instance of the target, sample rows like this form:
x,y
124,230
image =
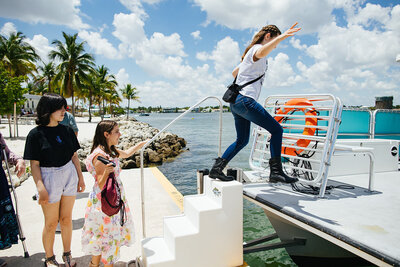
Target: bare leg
x,y
51,215
66,205
96,262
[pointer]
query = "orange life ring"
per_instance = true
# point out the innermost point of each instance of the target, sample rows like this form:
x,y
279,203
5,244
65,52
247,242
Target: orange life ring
x,y
309,121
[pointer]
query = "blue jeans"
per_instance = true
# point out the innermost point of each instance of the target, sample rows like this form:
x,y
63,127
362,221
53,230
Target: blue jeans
x,y
246,110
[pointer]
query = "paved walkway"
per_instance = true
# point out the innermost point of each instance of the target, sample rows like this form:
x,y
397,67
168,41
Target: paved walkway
x,y
160,198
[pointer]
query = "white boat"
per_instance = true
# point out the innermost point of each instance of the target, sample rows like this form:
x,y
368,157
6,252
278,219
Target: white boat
x,y
345,209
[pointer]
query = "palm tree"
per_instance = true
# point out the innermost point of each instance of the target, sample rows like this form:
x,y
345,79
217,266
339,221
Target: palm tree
x,y
107,84
48,72
129,93
114,99
18,56
74,67
36,88
91,90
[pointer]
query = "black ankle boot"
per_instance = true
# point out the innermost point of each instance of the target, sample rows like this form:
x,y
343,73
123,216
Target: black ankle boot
x,y
277,174
216,171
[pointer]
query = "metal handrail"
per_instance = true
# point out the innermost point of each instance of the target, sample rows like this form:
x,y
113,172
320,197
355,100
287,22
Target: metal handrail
x,y
155,137
373,121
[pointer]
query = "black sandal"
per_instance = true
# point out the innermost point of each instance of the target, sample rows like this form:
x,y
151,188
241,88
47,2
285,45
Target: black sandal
x,y
51,261
68,261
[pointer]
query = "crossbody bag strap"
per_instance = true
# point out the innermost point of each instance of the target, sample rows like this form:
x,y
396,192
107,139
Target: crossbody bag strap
x,y
252,81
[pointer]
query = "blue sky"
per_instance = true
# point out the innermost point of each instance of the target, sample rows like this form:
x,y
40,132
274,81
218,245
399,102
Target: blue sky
x,y
177,52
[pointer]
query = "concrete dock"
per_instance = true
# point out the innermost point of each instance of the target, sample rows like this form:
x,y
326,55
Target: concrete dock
x,y
161,199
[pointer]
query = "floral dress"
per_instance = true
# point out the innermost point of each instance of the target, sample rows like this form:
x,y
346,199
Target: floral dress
x,y
102,234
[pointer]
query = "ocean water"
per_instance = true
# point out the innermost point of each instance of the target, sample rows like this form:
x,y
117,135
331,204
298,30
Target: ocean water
x,y
201,131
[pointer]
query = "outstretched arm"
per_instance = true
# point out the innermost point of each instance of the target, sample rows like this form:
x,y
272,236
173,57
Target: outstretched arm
x,y
130,151
268,47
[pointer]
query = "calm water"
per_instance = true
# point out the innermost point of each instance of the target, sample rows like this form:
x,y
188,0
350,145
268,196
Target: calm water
x,y
200,130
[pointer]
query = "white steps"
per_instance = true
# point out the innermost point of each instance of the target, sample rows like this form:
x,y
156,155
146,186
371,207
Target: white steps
x,y
164,256
209,233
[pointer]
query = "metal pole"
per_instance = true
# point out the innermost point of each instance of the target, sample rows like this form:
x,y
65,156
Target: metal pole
x,y
371,171
142,192
220,129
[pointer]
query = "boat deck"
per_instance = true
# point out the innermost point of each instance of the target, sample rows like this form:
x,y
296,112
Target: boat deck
x,y
364,223
161,199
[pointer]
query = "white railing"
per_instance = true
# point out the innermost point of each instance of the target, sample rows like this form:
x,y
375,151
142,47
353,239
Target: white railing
x,y
156,136
323,144
373,122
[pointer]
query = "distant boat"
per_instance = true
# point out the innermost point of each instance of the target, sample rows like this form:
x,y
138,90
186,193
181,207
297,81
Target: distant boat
x,y
144,114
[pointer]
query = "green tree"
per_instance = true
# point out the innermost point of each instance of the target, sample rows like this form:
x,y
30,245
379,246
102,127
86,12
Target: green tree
x,y
130,93
114,99
18,56
48,71
74,67
11,93
107,83
91,91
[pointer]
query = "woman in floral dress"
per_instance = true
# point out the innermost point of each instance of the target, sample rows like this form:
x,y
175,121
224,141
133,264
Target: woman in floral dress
x,y
103,235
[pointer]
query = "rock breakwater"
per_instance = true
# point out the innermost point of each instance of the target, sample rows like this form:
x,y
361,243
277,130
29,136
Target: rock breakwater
x,y
165,147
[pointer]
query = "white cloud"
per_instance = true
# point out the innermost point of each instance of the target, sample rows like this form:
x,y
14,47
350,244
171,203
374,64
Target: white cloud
x,y
122,78
394,22
280,72
196,35
162,56
370,14
61,12
184,92
7,29
152,2
203,56
357,58
226,57
238,14
41,45
100,45
135,6
129,28
166,45
296,44
355,47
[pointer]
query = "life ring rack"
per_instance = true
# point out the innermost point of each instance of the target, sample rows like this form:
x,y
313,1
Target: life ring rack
x,y
290,107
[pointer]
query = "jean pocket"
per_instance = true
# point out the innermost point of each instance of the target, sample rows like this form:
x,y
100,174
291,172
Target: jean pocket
x,y
240,106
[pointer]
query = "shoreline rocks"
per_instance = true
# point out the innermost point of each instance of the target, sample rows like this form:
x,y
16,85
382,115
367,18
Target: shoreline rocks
x,y
165,147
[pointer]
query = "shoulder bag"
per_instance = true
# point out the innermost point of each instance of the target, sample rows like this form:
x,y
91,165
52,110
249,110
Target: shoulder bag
x,y
234,89
111,199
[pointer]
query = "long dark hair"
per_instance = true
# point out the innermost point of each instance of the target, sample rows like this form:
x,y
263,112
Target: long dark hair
x,y
259,37
49,103
100,140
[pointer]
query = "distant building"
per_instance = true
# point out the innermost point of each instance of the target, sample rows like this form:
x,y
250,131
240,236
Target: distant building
x,y
31,103
169,110
384,102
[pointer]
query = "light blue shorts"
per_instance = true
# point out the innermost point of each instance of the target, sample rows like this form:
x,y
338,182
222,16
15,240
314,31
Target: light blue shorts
x,y
60,181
